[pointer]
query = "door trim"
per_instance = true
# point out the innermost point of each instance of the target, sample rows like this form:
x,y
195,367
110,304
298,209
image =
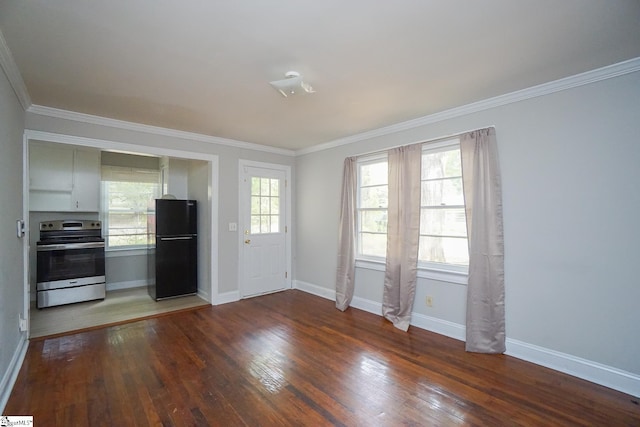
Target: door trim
x,y
287,223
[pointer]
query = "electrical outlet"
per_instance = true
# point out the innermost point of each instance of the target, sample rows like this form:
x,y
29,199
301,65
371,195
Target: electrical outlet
x,y
429,301
22,324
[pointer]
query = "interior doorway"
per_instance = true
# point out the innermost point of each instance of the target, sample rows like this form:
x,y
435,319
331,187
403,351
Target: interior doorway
x,y
206,173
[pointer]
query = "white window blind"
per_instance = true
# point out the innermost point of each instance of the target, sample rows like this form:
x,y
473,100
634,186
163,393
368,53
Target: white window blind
x,y
127,194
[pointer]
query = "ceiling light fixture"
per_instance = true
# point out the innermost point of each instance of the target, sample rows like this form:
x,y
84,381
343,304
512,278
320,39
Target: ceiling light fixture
x,y
292,84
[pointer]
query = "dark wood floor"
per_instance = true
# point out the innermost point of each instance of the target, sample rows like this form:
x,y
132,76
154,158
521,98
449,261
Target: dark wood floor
x,y
293,359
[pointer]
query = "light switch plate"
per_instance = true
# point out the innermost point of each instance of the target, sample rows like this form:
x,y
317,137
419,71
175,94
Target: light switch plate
x,y
233,226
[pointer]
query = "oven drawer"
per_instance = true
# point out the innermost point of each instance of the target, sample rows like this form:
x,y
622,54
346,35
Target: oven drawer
x,y
62,296
69,283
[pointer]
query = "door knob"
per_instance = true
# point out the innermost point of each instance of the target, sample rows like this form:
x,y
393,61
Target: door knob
x,y
247,241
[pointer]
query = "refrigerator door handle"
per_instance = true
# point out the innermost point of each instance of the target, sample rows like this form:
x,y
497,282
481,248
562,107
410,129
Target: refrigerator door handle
x,y
177,238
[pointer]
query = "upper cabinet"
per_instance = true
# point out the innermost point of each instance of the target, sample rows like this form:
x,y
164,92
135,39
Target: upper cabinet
x,y
63,178
86,181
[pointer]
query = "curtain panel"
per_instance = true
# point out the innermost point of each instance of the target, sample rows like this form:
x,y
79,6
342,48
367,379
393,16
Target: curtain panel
x,y
403,234
345,276
485,324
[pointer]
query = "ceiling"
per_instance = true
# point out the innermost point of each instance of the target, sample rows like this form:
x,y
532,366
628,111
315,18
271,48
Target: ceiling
x,y
205,66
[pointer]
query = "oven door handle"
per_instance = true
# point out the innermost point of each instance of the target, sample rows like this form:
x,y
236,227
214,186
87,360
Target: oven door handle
x,y
65,246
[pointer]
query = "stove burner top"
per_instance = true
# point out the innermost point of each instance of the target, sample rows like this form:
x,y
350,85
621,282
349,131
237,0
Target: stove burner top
x,y
70,231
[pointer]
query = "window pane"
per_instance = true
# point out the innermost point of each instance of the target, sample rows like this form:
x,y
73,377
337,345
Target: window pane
x,y
275,205
275,224
373,244
255,224
445,250
275,187
373,221
442,192
441,164
255,205
443,222
255,186
265,186
265,204
373,174
265,223
374,197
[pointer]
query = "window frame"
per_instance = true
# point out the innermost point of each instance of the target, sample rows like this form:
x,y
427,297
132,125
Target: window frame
x,y
452,273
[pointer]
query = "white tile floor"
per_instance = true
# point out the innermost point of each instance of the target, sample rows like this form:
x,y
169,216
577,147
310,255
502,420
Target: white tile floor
x,y
118,306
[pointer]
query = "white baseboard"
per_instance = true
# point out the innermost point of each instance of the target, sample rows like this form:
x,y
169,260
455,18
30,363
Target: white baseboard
x,y
204,295
439,326
316,290
598,373
226,298
116,286
11,374
595,372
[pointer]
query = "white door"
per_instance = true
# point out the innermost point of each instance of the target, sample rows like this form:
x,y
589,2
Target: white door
x,y
263,263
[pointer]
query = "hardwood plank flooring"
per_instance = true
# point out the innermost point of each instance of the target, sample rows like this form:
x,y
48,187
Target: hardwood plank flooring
x,y
292,359
118,307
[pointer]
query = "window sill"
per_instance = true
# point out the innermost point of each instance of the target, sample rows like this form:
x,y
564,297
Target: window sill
x,y
114,253
457,277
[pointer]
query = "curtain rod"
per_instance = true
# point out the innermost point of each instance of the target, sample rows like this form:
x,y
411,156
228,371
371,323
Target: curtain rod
x,y
438,139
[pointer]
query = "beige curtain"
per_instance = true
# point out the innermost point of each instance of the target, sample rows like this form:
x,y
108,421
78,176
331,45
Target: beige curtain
x,y
347,237
483,202
403,234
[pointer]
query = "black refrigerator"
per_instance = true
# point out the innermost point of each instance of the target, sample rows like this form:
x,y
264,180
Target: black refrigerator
x,y
173,248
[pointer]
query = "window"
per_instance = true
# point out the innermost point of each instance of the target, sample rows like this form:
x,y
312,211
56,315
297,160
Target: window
x,y
127,193
443,230
372,207
265,205
443,226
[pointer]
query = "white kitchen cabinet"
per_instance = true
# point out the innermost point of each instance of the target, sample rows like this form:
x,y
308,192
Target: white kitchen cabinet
x,y
63,179
50,168
86,181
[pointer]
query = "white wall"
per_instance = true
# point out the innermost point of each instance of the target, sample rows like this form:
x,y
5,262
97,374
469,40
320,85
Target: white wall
x,y
570,172
178,179
12,341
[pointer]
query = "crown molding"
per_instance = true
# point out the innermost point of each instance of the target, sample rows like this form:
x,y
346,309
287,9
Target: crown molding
x,y
608,72
156,130
10,68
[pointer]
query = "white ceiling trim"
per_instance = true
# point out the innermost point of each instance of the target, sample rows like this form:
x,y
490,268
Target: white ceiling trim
x,y
608,72
13,74
611,71
156,130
